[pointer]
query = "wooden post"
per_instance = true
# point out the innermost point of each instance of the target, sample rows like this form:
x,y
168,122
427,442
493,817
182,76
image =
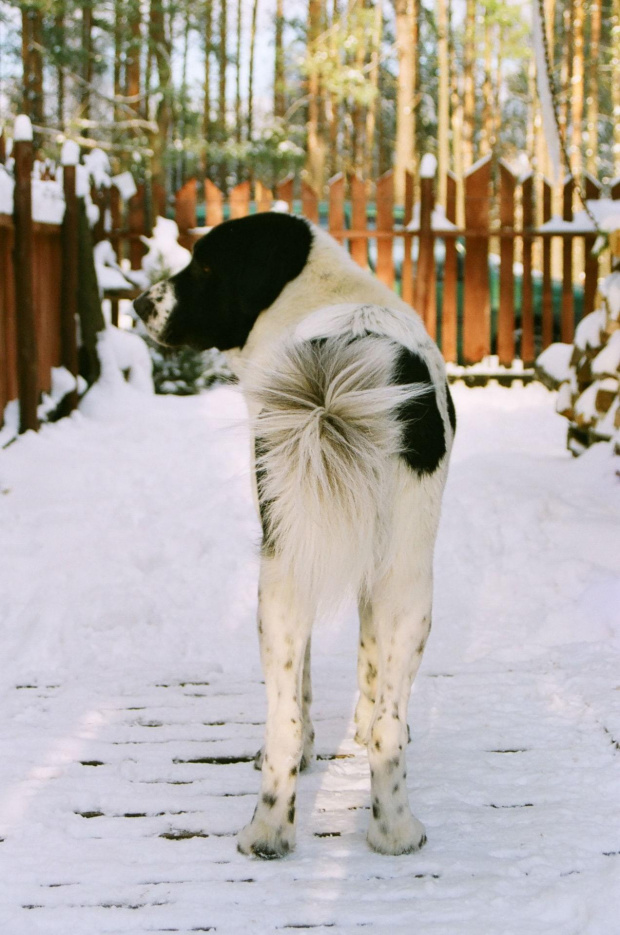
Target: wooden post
x,y
136,227
27,357
336,206
116,213
100,197
185,212
214,204
385,224
425,302
593,193
263,197
506,318
2,147
239,200
70,268
528,351
615,191
359,245
309,202
547,293
477,300
406,281
567,324
284,191
449,311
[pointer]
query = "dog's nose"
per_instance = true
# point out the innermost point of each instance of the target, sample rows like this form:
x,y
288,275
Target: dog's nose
x,y
144,306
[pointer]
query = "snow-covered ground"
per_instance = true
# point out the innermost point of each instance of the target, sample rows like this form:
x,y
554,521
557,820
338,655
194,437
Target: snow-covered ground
x,y
132,702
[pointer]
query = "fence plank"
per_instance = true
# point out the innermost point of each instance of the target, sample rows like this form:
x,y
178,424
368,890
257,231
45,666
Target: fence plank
x,y
27,357
6,308
358,246
185,212
239,200
567,323
477,302
214,204
547,293
449,311
406,288
336,205
284,190
309,202
136,225
425,292
158,194
593,193
615,191
263,197
70,273
2,146
385,223
528,352
506,318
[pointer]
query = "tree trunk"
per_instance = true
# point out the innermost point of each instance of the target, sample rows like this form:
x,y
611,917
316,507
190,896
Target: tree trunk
x,y
32,62
119,24
206,107
59,29
404,156
86,69
238,77
315,148
371,115
567,68
162,50
469,85
443,117
132,61
251,73
221,125
279,84
593,89
615,83
577,90
486,137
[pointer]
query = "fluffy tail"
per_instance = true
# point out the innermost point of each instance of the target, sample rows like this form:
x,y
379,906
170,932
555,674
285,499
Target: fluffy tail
x,y
326,436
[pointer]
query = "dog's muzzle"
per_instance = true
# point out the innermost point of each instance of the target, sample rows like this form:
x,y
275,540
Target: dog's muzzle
x,y
144,307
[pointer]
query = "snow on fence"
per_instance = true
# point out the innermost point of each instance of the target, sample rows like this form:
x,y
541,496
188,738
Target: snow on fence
x,y
455,296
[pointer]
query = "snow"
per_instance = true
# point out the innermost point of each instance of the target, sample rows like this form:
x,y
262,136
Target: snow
x,y
70,153
128,581
48,201
125,184
439,221
609,287
22,129
109,273
607,361
98,167
588,331
7,185
166,256
555,361
428,166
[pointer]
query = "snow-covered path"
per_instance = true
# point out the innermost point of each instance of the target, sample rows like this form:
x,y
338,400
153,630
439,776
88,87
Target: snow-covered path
x,y
132,702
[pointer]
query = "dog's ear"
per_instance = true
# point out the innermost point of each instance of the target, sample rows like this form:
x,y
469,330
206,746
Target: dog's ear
x,y
255,257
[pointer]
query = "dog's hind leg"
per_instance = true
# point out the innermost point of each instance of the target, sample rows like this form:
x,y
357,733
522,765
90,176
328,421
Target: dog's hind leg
x,y
367,662
284,634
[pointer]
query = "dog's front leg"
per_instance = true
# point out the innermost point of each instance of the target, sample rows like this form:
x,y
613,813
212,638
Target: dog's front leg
x,y
284,633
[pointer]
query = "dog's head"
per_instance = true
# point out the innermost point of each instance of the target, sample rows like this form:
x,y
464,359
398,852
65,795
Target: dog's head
x,y
237,270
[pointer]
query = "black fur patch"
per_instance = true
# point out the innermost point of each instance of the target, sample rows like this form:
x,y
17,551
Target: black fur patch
x,y
423,438
238,269
451,409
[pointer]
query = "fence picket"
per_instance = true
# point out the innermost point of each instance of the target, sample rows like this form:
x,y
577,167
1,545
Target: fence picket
x,y
70,272
406,282
384,196
185,212
214,204
136,225
309,202
263,197
449,311
336,206
528,352
425,302
547,293
284,190
358,245
567,324
239,200
477,299
27,356
593,193
506,318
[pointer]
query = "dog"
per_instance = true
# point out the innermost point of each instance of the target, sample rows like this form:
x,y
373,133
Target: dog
x,y
352,425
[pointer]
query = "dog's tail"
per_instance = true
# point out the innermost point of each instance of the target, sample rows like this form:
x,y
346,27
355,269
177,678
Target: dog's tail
x,y
327,435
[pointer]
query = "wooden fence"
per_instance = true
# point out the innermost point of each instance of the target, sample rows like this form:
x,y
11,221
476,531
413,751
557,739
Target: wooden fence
x,y
468,308
38,294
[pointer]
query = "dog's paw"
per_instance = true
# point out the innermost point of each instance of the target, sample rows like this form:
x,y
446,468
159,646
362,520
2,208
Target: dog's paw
x,y
404,837
269,842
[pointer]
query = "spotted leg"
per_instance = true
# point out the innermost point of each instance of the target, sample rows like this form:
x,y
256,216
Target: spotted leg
x,y
402,628
284,634
366,673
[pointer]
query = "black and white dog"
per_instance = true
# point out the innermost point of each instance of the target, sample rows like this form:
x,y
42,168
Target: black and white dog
x,y
353,425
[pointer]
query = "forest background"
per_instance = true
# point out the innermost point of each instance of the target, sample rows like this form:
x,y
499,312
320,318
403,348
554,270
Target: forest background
x,y
233,89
